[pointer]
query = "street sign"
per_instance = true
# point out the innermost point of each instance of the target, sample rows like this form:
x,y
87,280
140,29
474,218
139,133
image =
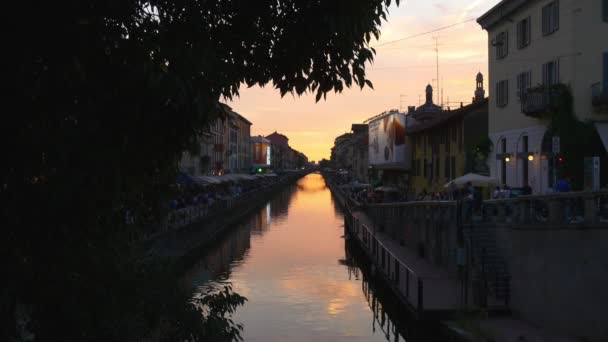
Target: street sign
x,y
556,145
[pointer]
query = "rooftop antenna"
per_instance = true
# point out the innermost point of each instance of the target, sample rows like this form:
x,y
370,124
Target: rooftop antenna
x,y
442,84
437,63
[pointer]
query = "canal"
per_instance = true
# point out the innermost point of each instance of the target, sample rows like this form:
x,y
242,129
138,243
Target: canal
x,y
302,279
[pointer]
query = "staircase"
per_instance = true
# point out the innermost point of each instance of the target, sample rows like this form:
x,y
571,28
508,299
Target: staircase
x,y
489,267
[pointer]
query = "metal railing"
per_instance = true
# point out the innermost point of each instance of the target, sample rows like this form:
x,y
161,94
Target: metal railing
x,y
570,208
538,101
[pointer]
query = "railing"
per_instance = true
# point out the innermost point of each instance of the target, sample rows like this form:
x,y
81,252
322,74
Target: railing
x,y
570,208
538,101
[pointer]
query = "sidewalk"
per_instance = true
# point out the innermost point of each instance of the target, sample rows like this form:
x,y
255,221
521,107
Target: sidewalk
x,y
504,329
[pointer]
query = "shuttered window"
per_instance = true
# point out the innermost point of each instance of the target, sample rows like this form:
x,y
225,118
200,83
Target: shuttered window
x,y
524,82
551,73
551,18
605,77
523,33
502,44
502,93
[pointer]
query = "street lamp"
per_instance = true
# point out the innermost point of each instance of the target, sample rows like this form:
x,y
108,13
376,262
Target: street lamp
x,y
531,157
507,159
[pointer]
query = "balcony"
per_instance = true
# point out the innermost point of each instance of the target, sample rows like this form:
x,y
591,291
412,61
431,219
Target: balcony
x,y
537,102
599,99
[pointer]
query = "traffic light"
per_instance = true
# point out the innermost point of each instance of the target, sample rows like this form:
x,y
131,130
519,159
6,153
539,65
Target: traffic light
x,y
260,170
561,161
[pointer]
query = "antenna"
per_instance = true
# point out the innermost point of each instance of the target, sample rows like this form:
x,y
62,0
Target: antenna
x,y
442,91
436,38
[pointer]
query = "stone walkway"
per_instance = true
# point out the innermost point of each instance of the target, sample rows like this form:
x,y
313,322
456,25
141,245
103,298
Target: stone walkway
x,y
442,290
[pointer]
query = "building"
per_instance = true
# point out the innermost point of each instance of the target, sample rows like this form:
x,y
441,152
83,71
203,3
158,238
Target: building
x,y
279,151
223,147
237,143
360,146
207,159
545,43
445,142
389,149
261,153
342,152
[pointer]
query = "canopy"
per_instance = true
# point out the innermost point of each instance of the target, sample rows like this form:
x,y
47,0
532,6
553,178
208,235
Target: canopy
x,y
475,179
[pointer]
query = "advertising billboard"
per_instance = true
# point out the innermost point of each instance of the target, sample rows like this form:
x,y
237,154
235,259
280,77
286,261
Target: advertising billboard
x,y
387,141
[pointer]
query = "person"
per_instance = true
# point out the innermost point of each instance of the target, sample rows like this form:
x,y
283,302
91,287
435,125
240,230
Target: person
x,y
562,185
506,191
497,193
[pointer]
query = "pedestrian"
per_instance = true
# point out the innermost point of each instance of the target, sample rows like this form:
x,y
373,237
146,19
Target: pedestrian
x,y
496,194
562,185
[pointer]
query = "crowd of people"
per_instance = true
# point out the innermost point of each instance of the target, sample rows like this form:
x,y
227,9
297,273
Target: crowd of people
x,y
211,198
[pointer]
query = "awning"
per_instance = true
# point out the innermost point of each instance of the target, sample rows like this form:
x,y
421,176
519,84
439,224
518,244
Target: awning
x,y
475,179
602,130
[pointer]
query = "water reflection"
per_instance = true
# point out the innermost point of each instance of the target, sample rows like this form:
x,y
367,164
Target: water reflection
x,y
301,280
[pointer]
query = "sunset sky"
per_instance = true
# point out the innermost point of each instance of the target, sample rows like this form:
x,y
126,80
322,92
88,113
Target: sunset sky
x,y
400,73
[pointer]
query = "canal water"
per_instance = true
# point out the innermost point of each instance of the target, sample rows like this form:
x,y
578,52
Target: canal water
x,y
302,279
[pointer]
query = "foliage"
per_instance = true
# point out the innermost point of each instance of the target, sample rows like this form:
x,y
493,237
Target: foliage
x,y
105,96
578,139
476,156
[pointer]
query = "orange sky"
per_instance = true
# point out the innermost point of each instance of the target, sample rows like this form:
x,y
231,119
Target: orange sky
x,y
400,73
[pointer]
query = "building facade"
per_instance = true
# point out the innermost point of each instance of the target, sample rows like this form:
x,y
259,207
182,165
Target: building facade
x,y
541,42
209,159
342,152
444,144
279,151
360,145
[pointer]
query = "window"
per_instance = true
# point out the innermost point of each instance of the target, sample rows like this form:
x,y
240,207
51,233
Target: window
x,y
437,165
551,73
524,82
605,10
523,33
502,44
524,148
424,167
551,18
454,175
605,73
502,93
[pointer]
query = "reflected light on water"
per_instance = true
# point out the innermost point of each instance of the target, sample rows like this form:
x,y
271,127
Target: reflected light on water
x,y
290,261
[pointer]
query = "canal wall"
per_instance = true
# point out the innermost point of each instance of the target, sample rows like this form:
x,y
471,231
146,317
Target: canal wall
x,y
558,277
425,289
186,244
548,275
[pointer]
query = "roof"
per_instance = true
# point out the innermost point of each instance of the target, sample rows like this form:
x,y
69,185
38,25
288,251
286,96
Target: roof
x,y
278,135
447,116
260,139
240,117
381,115
500,12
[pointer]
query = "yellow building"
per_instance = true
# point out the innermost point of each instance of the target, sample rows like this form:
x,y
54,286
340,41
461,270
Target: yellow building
x,y
445,142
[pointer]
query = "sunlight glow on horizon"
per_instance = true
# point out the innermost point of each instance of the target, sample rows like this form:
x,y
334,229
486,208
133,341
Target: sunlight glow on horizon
x,y
399,74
